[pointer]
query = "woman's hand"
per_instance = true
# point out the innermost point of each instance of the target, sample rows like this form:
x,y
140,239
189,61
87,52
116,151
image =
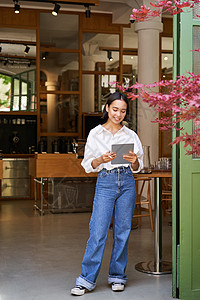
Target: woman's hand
x,y
132,158
108,156
104,158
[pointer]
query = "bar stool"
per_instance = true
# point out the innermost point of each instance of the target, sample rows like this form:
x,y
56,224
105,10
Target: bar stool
x,y
167,196
140,200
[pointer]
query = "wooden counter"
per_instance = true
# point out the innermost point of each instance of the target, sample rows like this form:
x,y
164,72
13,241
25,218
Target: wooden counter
x,y
57,165
161,173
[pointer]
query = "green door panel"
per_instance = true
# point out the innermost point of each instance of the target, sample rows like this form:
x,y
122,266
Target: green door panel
x,y
188,214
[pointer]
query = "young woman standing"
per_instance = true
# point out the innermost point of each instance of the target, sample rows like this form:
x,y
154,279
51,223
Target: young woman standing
x,y
115,195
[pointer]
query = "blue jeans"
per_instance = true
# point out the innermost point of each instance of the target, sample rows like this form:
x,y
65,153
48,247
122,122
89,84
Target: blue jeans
x,y
115,197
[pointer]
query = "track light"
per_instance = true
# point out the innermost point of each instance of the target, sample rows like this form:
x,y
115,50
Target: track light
x,y
26,51
56,9
109,55
44,55
87,11
16,7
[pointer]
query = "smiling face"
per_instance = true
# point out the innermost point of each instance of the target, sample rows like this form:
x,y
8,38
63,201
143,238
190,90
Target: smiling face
x,y
116,111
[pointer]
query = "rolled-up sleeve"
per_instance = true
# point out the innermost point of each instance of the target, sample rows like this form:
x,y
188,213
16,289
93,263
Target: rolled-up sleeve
x,y
89,155
139,152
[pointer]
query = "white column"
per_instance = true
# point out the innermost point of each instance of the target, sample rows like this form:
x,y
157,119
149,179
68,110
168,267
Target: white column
x,y
148,72
88,85
52,114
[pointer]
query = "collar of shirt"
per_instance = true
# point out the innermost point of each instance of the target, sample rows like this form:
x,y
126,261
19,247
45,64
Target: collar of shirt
x,y
102,128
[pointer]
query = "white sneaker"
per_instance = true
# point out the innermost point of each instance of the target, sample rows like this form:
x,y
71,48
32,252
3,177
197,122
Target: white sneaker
x,y
117,287
78,290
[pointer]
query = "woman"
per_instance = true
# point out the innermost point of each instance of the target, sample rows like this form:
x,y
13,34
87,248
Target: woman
x,y
115,195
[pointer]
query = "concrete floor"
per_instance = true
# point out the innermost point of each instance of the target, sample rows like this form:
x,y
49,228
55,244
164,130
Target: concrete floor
x,y
40,257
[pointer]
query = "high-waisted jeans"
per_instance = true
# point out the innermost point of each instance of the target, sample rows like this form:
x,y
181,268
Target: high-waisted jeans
x,y
115,197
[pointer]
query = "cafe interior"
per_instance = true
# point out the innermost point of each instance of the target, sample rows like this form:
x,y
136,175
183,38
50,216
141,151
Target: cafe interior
x,y
59,62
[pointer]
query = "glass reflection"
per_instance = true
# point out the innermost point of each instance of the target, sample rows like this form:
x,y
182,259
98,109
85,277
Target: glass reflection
x,y
17,88
100,52
63,67
59,32
59,113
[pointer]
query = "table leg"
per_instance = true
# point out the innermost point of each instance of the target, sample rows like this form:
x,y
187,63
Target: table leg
x,y
41,182
156,267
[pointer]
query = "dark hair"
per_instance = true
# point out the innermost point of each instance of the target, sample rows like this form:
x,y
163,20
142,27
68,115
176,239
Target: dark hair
x,y
113,97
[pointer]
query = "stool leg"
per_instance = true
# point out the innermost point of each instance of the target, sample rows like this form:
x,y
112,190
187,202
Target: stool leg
x,y
150,207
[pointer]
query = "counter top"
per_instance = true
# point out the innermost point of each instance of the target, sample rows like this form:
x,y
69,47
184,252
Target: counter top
x,y
17,155
164,173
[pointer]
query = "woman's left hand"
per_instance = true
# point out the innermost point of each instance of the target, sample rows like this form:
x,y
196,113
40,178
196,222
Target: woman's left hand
x,y
132,158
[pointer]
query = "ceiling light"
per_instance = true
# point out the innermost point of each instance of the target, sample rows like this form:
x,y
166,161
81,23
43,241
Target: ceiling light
x,y
56,9
109,55
16,7
26,51
165,58
132,57
87,11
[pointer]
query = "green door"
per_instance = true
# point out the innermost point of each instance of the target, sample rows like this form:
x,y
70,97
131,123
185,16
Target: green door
x,y
186,171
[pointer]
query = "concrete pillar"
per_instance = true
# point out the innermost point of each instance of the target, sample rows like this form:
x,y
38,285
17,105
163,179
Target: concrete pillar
x,y
148,72
88,85
52,114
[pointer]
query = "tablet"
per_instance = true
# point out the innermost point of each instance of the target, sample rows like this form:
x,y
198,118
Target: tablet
x,y
120,150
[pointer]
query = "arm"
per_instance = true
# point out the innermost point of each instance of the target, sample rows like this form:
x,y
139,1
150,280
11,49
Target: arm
x,y
136,158
90,162
108,156
132,158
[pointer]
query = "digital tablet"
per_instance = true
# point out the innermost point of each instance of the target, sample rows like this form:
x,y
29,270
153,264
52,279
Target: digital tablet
x,y
120,150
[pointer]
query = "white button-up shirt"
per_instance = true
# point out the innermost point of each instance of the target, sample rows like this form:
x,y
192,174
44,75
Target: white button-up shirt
x,y
99,142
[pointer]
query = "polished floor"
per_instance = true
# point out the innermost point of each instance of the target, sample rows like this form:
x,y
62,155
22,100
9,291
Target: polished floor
x,y
40,257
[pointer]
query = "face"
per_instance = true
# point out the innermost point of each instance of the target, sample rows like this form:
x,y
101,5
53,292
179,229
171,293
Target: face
x,y
117,111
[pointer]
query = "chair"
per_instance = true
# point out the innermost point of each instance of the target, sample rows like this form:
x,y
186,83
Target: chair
x,y
167,196
140,200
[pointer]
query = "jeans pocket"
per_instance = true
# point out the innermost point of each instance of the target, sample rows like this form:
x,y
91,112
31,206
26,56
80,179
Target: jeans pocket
x,y
129,173
102,174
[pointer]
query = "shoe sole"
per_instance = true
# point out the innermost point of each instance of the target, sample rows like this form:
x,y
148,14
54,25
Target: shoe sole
x,y
117,289
78,293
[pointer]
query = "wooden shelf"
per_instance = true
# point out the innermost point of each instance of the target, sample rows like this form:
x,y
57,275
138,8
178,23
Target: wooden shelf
x,y
19,113
72,134
100,72
60,92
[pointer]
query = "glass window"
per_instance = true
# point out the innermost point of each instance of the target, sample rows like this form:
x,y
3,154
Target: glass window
x,y
60,31
196,11
5,92
130,38
59,113
65,66
21,91
23,95
196,45
100,52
